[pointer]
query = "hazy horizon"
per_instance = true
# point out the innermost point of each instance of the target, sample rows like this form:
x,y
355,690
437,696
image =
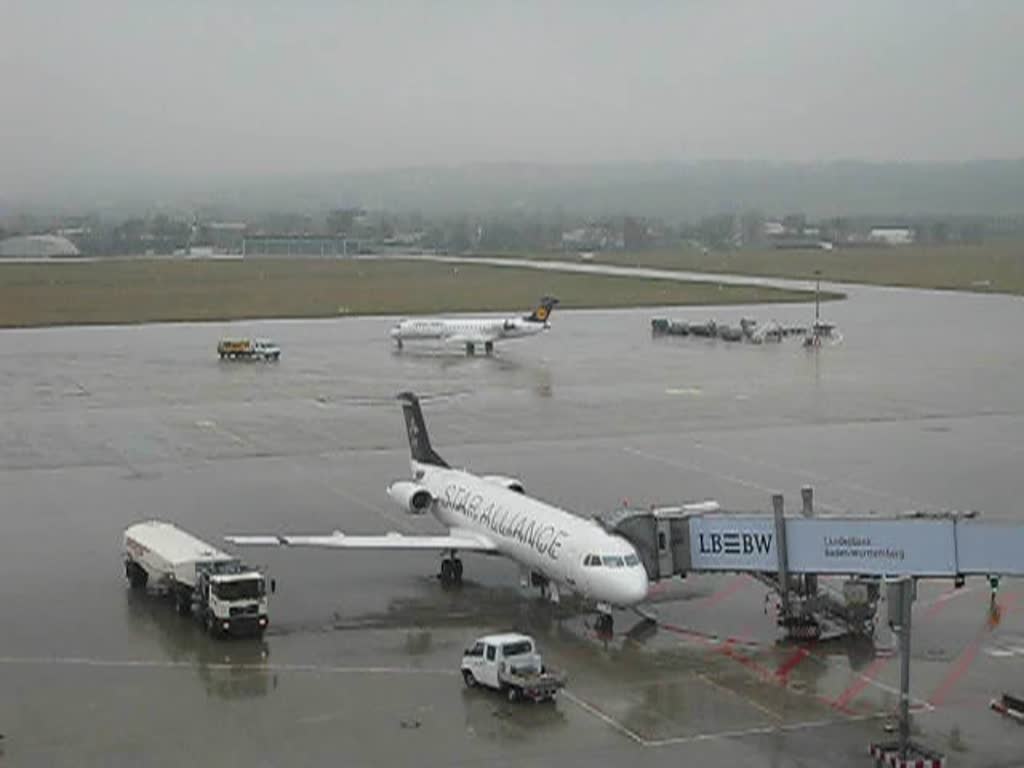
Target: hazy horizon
x,y
138,90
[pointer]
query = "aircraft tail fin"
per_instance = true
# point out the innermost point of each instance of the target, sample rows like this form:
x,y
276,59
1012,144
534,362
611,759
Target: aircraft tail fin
x,y
416,429
543,310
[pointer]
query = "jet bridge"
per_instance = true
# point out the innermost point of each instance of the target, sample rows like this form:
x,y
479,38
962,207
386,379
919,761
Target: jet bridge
x,y
789,553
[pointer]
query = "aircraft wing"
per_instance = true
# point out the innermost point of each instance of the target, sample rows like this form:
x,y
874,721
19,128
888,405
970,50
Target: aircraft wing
x,y
472,338
463,541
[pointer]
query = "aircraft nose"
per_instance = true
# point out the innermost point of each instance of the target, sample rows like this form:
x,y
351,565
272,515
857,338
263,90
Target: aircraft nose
x,y
628,587
637,588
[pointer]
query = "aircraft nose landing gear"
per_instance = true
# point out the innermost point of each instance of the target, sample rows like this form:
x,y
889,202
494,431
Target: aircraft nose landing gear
x,y
604,625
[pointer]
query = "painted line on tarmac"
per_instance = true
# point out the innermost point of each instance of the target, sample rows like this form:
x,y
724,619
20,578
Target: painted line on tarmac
x,y
792,662
710,473
862,681
966,658
746,699
218,429
735,584
762,730
817,476
933,607
81,661
605,718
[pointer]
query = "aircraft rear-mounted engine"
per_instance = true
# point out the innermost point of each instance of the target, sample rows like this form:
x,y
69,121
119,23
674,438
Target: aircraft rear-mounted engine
x,y
509,483
413,498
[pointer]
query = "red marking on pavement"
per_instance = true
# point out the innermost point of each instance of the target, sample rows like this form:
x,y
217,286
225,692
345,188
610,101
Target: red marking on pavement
x,y
729,590
940,603
790,664
657,587
863,680
966,658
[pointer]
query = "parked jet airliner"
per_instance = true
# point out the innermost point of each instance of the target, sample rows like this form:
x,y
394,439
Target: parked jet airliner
x,y
472,331
492,514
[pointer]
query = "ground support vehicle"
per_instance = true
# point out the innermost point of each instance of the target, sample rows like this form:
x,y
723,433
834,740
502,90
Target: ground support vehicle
x,y
227,596
248,349
510,663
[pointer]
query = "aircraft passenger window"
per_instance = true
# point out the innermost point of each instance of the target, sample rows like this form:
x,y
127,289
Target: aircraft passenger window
x,y
490,653
613,561
632,560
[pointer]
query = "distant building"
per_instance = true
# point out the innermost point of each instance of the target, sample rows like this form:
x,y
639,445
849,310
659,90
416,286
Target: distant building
x,y
589,238
774,228
37,246
892,235
301,245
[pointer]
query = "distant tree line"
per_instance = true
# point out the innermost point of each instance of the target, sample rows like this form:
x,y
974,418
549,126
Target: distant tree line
x,y
520,230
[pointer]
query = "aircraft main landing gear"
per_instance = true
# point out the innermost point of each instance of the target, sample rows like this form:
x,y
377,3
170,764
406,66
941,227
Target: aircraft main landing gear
x,y
451,571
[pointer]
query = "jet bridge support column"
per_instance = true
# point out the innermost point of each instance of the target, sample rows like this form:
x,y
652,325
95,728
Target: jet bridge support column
x,y
796,611
904,753
783,553
810,579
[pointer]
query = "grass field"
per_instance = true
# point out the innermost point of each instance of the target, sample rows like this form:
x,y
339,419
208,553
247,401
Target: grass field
x,y
153,290
995,267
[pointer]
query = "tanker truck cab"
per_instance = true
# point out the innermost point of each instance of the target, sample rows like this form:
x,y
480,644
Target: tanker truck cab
x,y
232,599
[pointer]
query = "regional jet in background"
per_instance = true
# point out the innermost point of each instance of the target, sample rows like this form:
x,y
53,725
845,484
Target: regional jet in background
x,y
472,331
492,515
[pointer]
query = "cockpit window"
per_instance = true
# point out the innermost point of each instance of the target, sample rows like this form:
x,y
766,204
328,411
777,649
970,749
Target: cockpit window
x,y
632,560
592,560
612,561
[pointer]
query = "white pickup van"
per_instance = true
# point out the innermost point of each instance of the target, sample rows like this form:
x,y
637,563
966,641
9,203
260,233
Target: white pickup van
x,y
510,663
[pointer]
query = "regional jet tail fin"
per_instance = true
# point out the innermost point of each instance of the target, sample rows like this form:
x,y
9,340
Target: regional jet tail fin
x,y
543,310
416,428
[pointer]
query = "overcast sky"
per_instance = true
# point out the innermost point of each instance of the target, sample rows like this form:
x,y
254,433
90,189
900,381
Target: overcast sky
x,y
201,87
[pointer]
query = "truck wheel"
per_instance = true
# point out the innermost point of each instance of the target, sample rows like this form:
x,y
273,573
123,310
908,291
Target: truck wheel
x,y
137,577
468,678
183,604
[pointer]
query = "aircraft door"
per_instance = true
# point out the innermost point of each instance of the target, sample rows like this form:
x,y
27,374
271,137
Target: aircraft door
x,y
664,544
573,571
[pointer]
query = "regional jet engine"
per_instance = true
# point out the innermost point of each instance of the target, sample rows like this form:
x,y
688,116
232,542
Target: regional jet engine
x,y
413,498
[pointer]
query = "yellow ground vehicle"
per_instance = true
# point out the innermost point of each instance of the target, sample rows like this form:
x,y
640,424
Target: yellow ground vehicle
x,y
248,349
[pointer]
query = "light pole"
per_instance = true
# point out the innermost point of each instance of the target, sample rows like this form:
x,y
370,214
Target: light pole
x,y
817,297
